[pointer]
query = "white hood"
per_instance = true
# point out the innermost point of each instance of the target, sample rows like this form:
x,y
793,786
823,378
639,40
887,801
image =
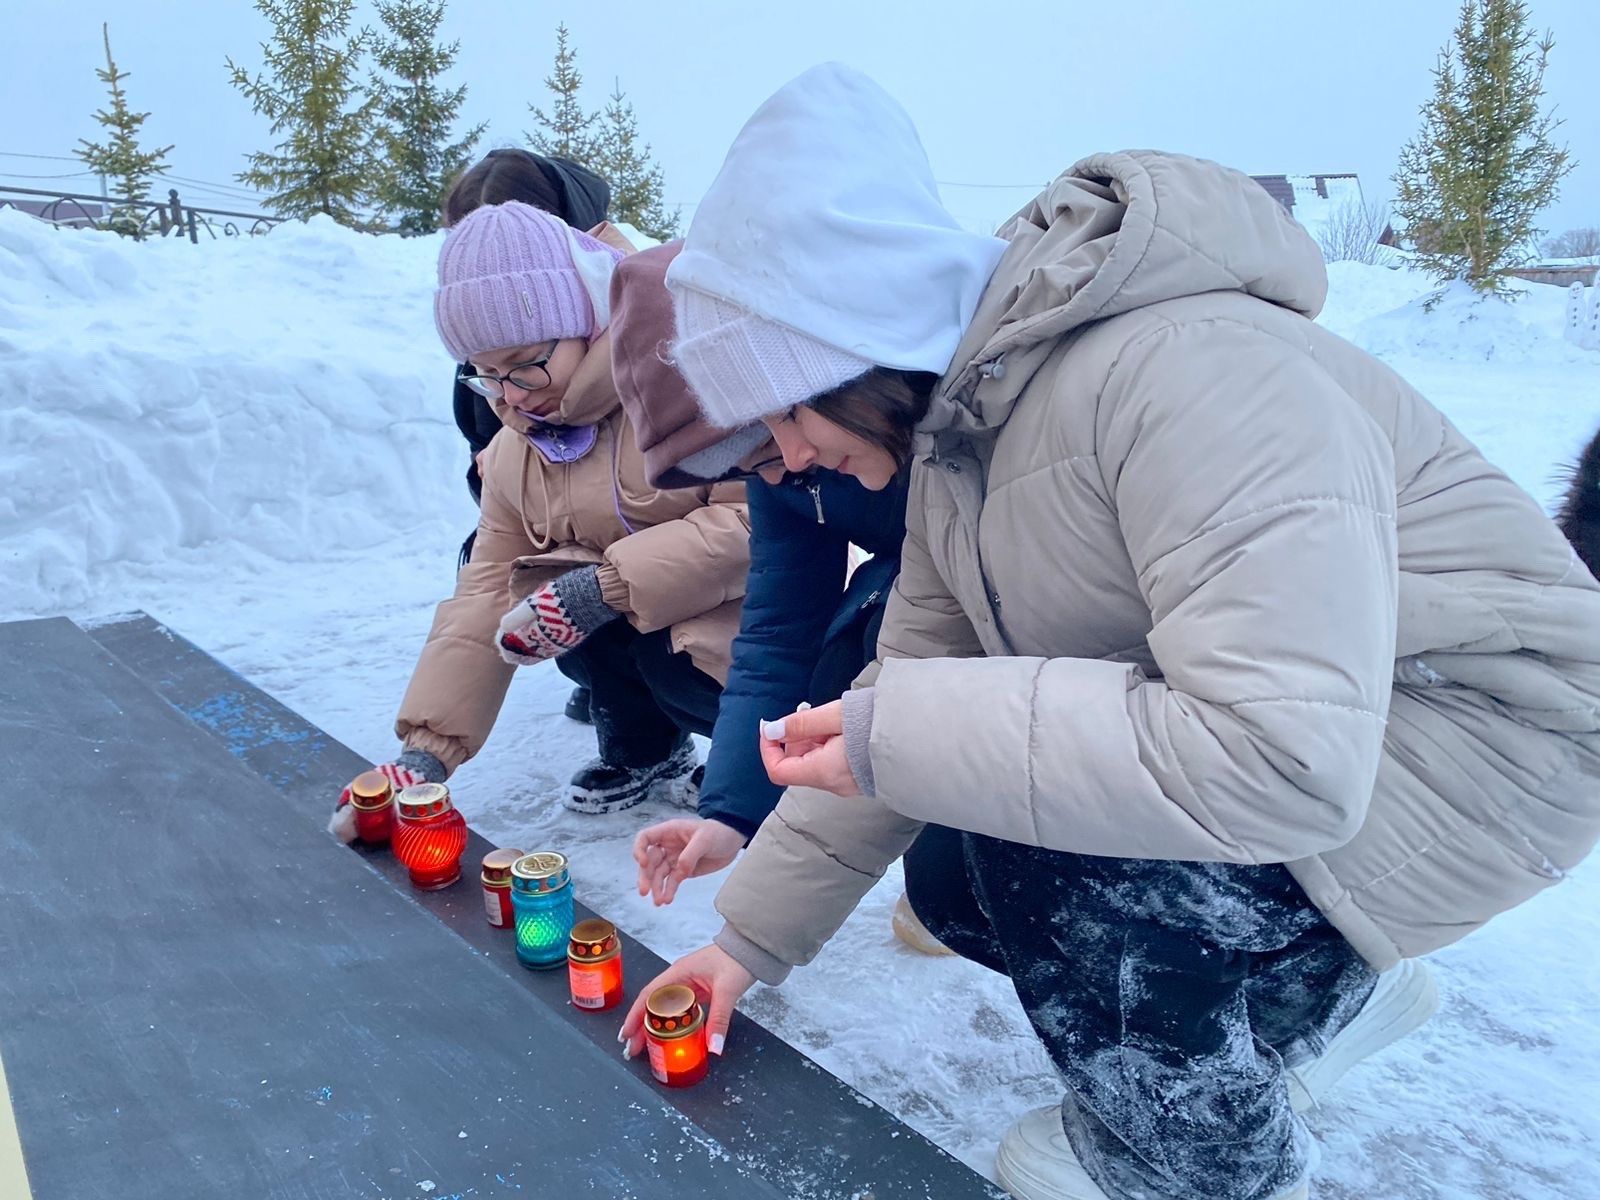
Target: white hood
x,y
825,218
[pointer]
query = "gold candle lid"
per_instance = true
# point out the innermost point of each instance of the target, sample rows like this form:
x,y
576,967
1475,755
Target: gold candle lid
x,y
371,790
497,865
540,872
592,939
423,800
672,1010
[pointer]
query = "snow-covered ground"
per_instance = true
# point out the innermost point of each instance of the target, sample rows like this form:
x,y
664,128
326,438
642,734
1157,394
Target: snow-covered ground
x,y
252,441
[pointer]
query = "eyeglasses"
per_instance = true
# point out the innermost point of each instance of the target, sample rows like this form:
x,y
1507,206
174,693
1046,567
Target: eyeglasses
x,y
738,474
493,387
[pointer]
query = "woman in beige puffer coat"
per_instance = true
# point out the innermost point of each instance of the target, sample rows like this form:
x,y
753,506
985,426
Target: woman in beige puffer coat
x,y
633,591
1241,671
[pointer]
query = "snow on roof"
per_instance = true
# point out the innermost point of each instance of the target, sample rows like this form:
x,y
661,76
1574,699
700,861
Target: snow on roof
x,y
1318,197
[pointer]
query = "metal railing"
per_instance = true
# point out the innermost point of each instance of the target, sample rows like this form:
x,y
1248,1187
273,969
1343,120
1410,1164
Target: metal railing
x,y
166,219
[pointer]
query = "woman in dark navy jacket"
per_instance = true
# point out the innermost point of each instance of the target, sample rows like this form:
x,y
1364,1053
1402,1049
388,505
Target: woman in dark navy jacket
x,y
809,624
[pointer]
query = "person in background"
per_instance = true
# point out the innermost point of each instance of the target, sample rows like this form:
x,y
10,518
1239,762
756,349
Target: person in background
x,y
809,623
632,590
1245,677
554,185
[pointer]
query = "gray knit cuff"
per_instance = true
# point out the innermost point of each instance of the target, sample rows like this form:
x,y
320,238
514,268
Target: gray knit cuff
x,y
768,968
424,764
579,593
858,737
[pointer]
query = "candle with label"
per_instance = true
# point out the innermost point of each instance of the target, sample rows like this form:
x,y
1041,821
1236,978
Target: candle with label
x,y
496,879
675,1034
594,965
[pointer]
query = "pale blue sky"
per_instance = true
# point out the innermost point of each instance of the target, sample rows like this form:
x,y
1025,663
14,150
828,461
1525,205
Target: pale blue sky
x,y
1003,94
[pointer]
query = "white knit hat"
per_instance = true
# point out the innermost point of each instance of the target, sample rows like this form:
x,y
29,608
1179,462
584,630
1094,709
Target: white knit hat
x,y
743,367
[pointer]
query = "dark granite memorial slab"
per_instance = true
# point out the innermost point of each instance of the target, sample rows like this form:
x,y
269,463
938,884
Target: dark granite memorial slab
x,y
202,994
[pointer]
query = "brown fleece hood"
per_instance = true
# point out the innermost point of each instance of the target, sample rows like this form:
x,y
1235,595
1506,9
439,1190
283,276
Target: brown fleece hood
x,y
681,449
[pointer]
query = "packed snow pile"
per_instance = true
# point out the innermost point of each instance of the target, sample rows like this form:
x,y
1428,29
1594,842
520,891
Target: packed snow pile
x,y
1457,324
285,395
284,392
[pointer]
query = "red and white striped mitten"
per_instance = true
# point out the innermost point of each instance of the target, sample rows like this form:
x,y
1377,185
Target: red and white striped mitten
x,y
554,619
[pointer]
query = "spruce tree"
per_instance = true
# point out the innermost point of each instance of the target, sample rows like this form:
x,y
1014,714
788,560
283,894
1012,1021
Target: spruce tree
x,y
567,131
1473,181
317,107
636,181
128,169
417,158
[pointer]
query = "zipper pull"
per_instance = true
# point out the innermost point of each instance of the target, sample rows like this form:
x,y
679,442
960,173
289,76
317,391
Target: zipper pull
x,y
816,498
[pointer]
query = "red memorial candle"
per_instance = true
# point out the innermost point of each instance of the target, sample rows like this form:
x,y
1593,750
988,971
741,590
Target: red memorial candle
x,y
429,835
372,796
496,880
675,1034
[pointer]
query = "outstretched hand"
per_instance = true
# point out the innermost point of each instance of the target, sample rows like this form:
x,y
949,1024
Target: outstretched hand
x,y
806,749
669,852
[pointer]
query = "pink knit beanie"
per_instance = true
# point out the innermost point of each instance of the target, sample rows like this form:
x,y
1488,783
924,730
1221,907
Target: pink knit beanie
x,y
512,275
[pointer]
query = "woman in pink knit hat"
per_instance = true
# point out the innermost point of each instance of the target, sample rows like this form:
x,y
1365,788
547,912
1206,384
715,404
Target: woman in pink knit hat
x,y
634,592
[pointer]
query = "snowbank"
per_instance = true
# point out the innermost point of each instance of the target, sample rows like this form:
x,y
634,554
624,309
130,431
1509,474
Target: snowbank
x,y
1455,324
285,393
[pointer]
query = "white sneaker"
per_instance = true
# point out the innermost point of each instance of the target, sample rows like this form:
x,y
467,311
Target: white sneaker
x,y
1403,1001
910,930
1034,1162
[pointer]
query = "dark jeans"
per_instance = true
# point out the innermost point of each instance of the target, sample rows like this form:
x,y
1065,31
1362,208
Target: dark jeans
x,y
1168,994
643,698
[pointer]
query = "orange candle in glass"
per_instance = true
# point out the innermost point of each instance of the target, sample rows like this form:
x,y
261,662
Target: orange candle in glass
x,y
594,965
675,1034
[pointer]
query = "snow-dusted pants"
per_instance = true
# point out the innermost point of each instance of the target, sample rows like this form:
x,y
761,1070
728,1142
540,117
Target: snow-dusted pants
x,y
1169,994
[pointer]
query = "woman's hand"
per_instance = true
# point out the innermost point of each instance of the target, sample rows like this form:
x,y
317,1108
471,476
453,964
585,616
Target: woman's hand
x,y
806,749
669,852
717,980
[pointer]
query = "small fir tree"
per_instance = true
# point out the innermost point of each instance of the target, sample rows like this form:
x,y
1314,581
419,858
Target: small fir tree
x,y
127,169
636,180
417,159
1473,181
317,107
567,131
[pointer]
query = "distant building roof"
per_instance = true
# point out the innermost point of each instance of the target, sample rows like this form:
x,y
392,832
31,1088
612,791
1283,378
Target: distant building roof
x,y
1313,200
61,212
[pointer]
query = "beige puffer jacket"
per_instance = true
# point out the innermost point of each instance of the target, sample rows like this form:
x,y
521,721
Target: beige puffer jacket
x,y
684,567
1189,577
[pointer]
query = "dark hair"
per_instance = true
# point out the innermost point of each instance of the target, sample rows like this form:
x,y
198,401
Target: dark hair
x,y
882,407
501,175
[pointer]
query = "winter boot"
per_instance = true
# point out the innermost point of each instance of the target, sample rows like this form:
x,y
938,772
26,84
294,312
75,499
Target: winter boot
x,y
578,706
687,795
1036,1163
1403,1001
910,930
602,788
